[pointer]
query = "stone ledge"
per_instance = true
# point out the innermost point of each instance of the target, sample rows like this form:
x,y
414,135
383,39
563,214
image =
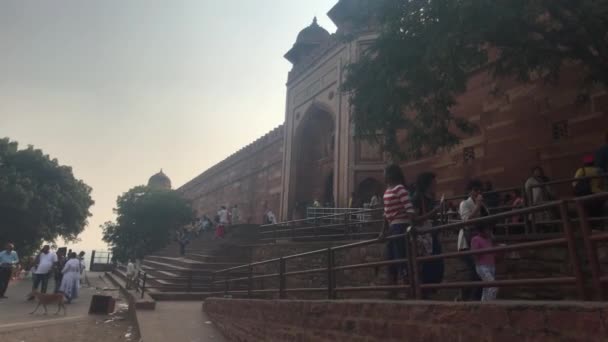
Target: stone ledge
x,y
374,320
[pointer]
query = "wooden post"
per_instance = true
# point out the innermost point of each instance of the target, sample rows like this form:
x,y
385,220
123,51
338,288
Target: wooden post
x,y
282,282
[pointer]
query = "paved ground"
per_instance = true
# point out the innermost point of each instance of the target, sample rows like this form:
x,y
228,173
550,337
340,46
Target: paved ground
x,y
16,308
177,322
16,324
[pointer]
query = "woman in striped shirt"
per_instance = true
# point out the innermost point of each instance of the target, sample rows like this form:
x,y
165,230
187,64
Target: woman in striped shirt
x,y
399,214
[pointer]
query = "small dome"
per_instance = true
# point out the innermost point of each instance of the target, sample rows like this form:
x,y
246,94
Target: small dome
x,y
313,34
160,181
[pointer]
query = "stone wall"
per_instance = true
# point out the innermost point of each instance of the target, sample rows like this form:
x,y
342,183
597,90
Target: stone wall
x,y
353,321
250,178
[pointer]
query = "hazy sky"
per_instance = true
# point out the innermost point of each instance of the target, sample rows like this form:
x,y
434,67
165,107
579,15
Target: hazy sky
x,y
121,88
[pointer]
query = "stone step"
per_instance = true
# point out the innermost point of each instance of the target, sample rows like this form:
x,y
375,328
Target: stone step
x,y
185,263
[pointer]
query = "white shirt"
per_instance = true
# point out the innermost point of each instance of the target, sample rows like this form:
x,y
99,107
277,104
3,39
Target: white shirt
x,y
466,209
271,218
223,214
130,269
46,263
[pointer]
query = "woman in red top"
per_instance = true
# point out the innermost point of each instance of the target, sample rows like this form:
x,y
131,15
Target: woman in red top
x,y
399,214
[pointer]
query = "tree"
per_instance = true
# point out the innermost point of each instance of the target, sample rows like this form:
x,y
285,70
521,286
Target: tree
x,y
145,219
409,78
40,200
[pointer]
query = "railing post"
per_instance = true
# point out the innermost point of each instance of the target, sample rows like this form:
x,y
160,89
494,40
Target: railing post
x,y
189,286
576,267
282,281
331,276
250,282
143,286
591,251
346,224
226,284
412,255
527,223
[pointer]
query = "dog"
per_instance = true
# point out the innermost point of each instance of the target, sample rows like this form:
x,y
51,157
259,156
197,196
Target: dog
x,y
44,299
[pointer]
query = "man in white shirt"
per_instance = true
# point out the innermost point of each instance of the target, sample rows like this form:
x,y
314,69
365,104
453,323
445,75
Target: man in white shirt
x,y
223,215
130,274
45,262
270,217
471,208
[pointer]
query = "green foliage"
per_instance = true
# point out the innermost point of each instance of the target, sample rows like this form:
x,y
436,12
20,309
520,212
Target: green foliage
x,y
145,219
410,76
40,200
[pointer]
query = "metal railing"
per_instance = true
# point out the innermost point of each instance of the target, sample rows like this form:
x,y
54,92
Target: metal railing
x,y
591,240
414,286
329,226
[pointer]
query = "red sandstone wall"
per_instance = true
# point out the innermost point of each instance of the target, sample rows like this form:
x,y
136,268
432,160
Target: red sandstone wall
x,y
258,320
516,133
250,178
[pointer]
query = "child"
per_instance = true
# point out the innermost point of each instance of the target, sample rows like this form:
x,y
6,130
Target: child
x,y
485,264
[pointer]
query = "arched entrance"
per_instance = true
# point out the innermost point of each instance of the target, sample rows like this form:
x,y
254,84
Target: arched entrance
x,y
368,188
314,161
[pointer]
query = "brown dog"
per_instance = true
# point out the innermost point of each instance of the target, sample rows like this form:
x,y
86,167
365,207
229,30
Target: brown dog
x,y
44,299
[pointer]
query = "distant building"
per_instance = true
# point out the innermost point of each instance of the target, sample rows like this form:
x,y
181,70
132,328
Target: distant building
x,y
315,155
160,181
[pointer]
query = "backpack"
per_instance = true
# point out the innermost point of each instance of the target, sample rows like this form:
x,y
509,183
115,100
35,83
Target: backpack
x,y
583,186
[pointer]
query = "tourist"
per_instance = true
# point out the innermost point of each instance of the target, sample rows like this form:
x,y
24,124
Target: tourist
x,y
399,213
222,218
491,198
130,274
61,260
8,260
207,224
235,214
428,244
471,208
601,156
183,239
45,261
538,192
83,267
270,217
70,284
587,186
485,263
374,202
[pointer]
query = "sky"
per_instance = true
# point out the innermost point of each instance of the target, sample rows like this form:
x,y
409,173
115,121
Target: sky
x,y
120,89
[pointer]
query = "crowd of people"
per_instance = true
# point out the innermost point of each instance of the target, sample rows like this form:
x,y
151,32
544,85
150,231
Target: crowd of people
x,y
65,267
417,206
224,218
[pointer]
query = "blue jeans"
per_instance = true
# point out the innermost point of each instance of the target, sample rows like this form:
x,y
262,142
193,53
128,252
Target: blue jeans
x,y
487,273
397,249
42,280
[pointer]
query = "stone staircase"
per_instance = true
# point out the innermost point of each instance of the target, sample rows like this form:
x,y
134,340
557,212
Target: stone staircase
x,y
172,277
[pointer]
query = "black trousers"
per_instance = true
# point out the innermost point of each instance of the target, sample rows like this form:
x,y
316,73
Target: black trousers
x,y
471,293
42,280
5,278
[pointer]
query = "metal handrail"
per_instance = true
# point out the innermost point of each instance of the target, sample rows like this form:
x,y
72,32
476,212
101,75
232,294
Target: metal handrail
x,y
413,260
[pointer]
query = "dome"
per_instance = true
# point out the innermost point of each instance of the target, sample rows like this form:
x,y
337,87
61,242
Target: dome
x,y
313,34
160,181
308,39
